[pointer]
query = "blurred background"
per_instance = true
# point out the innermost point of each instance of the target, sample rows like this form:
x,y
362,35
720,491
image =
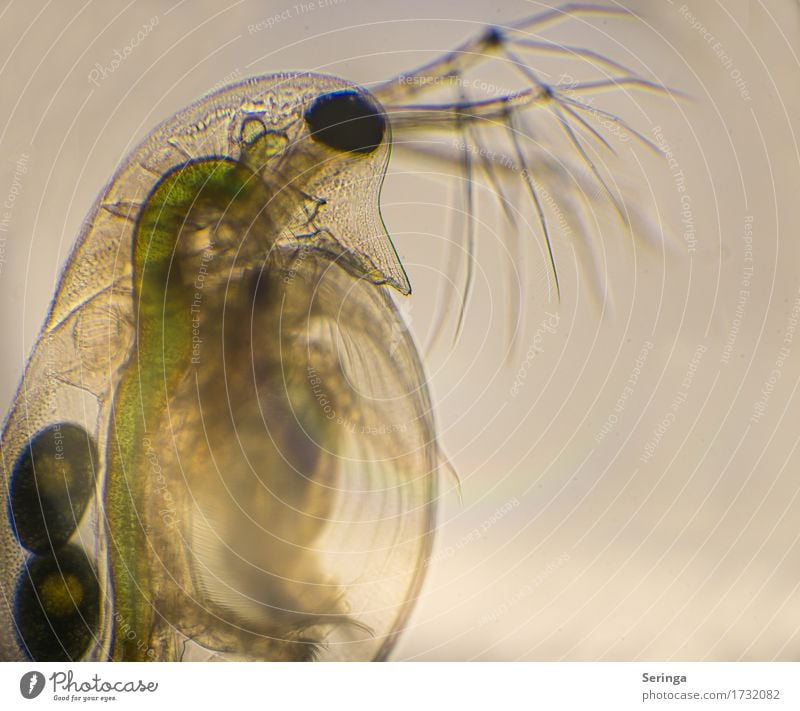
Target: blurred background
x,y
627,458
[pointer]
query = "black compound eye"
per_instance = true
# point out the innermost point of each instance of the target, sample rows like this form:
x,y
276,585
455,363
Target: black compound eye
x,y
346,121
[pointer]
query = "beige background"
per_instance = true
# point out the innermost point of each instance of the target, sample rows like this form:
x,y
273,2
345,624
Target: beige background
x,y
560,546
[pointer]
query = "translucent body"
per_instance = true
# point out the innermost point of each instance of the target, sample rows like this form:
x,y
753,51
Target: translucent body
x,y
266,469
244,398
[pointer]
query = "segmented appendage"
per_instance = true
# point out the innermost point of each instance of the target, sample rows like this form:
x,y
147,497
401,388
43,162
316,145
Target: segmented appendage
x,y
531,135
